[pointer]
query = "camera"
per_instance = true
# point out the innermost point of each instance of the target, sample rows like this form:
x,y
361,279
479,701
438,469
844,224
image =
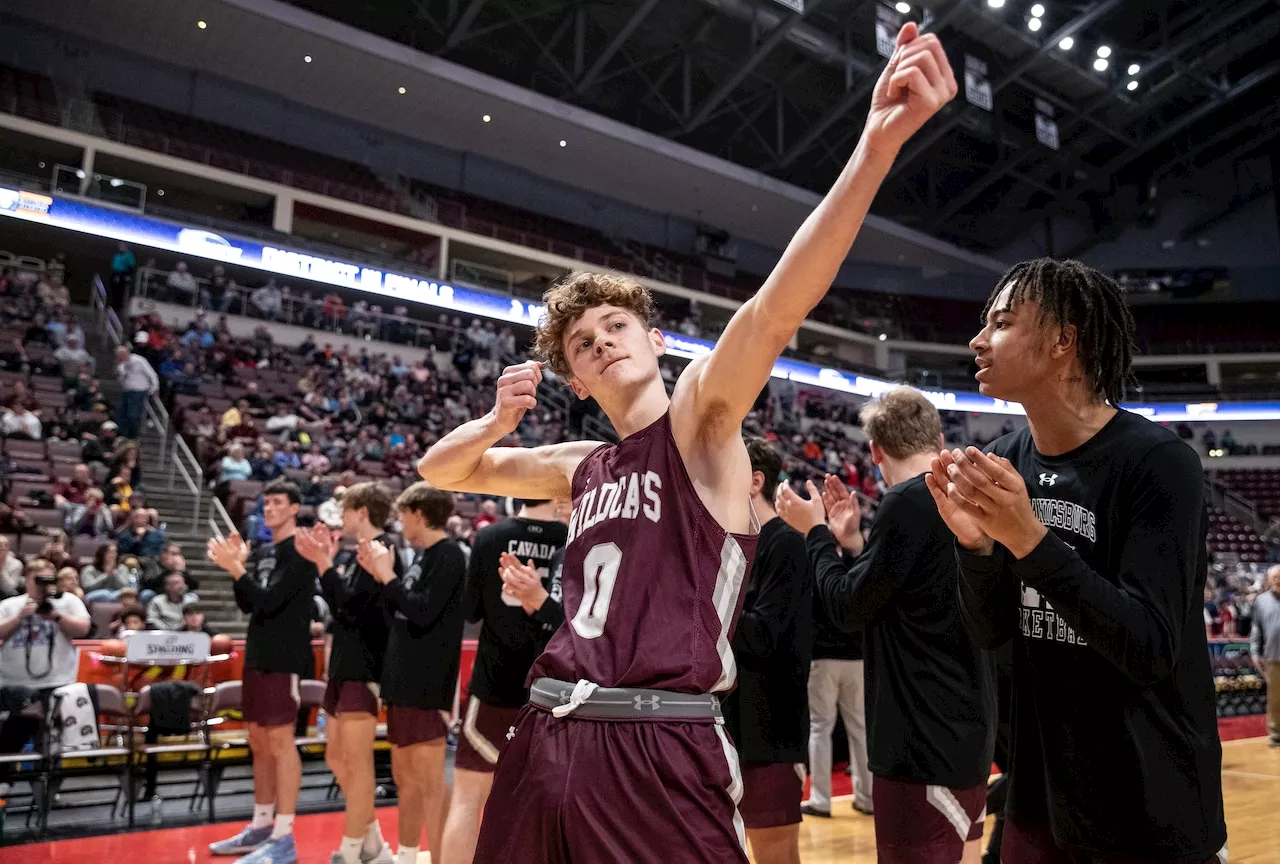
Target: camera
x,y
48,586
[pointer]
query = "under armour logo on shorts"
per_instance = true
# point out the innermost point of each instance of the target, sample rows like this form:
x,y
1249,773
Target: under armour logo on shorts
x,y
511,733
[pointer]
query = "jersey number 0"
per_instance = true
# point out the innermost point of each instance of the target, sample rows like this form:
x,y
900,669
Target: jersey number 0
x,y
599,573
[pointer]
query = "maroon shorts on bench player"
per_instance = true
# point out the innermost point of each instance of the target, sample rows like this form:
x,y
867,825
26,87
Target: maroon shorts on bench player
x,y
351,697
484,735
269,698
918,823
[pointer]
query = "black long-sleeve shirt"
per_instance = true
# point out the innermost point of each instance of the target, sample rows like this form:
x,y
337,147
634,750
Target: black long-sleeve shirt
x,y
509,639
931,707
276,593
424,650
768,714
1115,737
361,622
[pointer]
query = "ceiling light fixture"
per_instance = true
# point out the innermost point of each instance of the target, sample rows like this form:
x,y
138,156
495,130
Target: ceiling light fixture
x,y
402,91
1131,86
202,25
564,143
904,8
995,4
1037,11
486,118
1134,68
160,192
1067,43
1104,51
1101,64
1034,24
306,58
884,337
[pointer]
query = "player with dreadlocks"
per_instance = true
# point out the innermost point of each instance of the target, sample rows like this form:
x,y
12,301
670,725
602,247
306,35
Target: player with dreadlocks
x,y
1082,539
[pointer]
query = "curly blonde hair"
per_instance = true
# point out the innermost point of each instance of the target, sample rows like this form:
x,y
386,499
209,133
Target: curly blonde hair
x,y
568,300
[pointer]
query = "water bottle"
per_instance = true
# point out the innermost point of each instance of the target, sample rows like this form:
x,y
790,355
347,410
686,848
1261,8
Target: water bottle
x,y
157,806
321,723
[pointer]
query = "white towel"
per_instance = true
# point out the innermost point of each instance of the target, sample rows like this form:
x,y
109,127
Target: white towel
x,y
75,723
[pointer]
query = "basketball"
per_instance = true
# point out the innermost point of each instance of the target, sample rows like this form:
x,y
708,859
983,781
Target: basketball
x,y
112,648
220,644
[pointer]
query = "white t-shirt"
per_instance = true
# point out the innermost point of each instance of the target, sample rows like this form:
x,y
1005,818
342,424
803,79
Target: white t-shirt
x,y
25,657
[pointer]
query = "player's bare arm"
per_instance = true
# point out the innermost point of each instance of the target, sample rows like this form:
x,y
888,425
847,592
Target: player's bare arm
x,y
468,460
716,392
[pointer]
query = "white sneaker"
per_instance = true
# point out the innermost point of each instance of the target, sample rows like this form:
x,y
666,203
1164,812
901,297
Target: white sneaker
x,y
382,856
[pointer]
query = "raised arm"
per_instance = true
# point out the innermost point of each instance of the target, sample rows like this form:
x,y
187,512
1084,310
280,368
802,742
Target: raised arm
x,y
916,82
467,460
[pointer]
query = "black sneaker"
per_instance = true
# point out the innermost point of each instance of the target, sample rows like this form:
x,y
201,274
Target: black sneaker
x,y
810,810
1273,742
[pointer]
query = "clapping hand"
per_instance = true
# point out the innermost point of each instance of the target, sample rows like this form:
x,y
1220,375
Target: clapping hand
x,y
844,514
229,553
801,514
522,582
984,500
377,559
318,545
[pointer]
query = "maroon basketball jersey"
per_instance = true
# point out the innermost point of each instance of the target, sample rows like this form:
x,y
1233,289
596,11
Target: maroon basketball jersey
x,y
652,585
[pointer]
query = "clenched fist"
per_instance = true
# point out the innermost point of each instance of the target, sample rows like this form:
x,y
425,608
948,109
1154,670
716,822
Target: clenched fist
x,y
517,393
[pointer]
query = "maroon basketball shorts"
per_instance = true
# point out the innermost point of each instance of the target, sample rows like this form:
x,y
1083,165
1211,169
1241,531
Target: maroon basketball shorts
x,y
771,793
643,792
407,726
484,735
269,698
1026,843
350,697
923,824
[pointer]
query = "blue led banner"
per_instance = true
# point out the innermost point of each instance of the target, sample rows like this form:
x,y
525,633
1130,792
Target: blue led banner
x,y
140,230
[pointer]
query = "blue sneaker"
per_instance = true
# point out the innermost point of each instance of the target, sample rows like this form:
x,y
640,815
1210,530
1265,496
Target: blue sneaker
x,y
279,851
246,841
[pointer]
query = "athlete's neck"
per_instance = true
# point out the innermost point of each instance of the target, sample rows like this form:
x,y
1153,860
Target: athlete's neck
x,y
368,531
764,509
633,410
432,536
897,471
540,513
1063,418
284,532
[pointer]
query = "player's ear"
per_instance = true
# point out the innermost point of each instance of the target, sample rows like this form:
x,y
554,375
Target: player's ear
x,y
577,387
658,341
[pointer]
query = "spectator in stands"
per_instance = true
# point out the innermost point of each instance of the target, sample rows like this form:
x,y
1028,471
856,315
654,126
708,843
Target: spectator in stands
x,y
264,465
164,612
11,568
73,489
488,514
234,466
123,265
56,550
36,651
315,461
140,538
268,300
69,582
287,456
193,620
1271,537
133,619
106,576
460,531
284,421
72,357
1264,647
1212,619
90,519
21,423
182,286
137,382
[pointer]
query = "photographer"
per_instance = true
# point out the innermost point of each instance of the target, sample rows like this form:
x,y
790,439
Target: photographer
x,y
37,628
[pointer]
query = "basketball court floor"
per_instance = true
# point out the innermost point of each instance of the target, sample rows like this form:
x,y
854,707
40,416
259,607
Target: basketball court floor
x,y
1251,781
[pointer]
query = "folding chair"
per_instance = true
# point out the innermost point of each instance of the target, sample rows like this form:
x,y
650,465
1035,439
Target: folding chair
x,y
195,739
113,723
38,775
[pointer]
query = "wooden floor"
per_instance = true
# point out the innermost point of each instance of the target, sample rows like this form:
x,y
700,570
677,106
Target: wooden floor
x,y
1251,787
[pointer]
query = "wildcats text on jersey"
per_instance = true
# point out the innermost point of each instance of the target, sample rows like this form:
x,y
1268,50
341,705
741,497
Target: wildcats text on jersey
x,y
630,496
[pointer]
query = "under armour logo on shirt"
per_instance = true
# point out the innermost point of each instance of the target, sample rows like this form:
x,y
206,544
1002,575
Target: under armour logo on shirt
x,y
1048,479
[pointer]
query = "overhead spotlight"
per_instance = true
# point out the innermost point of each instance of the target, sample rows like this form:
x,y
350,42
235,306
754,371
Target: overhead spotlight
x,y
564,143
202,25
80,173
486,118
995,4
1067,43
1034,24
1134,68
1131,86
884,337
116,181
306,58
41,164
1037,11
1101,64
904,8
1104,51
160,192
402,91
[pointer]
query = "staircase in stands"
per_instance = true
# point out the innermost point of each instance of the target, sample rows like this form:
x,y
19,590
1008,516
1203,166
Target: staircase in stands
x,y
187,523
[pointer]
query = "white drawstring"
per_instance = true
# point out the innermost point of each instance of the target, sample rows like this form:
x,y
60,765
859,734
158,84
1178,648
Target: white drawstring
x,y
581,693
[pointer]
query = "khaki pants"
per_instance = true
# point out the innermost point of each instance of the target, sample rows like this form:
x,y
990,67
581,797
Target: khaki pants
x,y
1273,699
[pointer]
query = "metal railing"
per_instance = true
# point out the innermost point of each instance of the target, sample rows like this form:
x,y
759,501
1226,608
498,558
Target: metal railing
x,y
219,521
159,418
183,464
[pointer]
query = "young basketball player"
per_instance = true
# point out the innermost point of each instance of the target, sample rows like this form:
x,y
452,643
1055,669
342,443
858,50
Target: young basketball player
x,y
274,587
1082,538
423,655
360,628
510,639
768,714
660,539
930,695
